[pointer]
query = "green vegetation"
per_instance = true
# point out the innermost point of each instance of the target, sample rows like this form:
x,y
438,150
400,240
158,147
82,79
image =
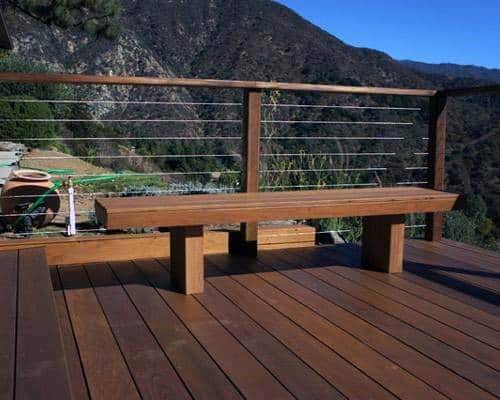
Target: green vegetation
x,y
13,116
96,17
472,225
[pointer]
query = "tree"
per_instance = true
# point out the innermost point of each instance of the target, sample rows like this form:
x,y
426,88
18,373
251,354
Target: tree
x,y
16,121
96,17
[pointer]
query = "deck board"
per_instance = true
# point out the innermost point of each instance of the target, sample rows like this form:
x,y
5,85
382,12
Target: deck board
x,y
76,375
8,300
152,371
201,375
297,323
41,371
106,371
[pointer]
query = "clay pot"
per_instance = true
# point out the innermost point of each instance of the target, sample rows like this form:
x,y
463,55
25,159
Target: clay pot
x,y
25,186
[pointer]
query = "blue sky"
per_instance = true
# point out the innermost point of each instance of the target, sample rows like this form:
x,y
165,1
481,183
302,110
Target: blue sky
x,y
435,31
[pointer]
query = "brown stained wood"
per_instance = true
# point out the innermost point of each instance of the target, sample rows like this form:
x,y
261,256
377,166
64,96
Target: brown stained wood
x,y
421,273
204,83
437,264
186,245
198,371
151,369
338,372
121,213
449,303
116,247
225,349
41,371
353,300
467,344
106,372
272,236
459,256
383,243
124,247
436,161
386,373
252,113
8,301
76,374
490,254
462,324
309,291
291,371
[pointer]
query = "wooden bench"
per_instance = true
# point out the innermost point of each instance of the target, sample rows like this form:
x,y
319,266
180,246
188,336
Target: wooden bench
x,y
32,358
383,211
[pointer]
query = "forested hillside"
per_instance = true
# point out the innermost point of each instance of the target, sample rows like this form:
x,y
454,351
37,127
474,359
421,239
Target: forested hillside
x,y
254,40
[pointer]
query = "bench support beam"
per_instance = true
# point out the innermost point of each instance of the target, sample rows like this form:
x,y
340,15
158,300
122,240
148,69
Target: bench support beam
x,y
383,243
186,246
252,116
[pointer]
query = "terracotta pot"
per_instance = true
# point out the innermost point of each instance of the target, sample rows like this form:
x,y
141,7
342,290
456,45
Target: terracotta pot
x,y
25,186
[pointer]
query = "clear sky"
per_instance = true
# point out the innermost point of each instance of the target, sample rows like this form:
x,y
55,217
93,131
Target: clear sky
x,y
435,31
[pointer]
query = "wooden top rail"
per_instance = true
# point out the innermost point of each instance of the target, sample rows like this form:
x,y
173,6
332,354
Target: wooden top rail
x,y
206,83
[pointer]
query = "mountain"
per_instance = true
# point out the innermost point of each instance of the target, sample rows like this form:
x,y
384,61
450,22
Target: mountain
x,y
263,40
455,70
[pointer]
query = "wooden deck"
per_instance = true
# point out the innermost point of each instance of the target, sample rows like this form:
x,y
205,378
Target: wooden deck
x,y
304,324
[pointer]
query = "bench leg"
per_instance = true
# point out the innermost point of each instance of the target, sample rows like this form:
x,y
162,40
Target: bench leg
x,y
383,242
244,242
186,256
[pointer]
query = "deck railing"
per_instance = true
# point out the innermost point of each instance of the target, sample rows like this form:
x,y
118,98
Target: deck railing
x,y
253,124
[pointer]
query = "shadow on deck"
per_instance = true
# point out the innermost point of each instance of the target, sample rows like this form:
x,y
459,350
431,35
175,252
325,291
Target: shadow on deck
x,y
305,323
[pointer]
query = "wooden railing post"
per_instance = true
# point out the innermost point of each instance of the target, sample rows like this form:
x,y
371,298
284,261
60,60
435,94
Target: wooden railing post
x,y
246,243
436,160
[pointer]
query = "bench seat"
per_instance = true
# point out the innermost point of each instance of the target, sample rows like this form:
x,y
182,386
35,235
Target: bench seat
x,y
383,210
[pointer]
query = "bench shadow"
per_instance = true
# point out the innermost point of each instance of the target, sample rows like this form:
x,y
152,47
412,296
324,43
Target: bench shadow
x,y
339,256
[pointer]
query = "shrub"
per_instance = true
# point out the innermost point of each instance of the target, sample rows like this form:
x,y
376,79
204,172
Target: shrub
x,y
13,127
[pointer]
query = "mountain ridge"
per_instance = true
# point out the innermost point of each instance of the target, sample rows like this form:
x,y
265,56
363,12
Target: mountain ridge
x,y
262,40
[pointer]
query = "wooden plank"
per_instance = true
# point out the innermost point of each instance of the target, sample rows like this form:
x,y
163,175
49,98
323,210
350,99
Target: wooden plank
x,y
424,292
116,247
41,371
394,379
186,245
198,371
76,374
449,318
251,378
436,161
8,300
471,91
421,272
107,374
350,299
252,112
309,291
467,344
124,247
383,242
152,372
337,371
437,264
292,372
205,83
234,208
273,237
480,251
476,261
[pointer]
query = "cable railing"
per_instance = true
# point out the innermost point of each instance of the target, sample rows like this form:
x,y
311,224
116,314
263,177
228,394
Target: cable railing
x,y
211,156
